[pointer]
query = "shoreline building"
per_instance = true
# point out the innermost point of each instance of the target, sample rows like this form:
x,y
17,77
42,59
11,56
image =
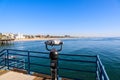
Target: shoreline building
x,y
8,36
0,35
19,36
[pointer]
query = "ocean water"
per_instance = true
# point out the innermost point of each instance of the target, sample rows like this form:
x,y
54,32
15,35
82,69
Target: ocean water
x,y
107,48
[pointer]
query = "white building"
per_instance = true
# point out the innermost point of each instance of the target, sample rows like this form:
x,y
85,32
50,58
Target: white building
x,y
19,36
8,35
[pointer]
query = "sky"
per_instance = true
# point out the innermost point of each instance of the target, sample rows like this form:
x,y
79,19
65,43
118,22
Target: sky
x,y
61,17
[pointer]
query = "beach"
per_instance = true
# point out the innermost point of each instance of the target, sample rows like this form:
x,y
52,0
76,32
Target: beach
x,y
35,39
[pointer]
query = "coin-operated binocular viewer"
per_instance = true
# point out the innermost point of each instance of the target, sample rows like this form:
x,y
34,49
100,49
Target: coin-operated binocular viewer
x,y
54,56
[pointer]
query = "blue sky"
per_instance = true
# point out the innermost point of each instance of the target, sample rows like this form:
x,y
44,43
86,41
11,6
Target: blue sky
x,y
60,17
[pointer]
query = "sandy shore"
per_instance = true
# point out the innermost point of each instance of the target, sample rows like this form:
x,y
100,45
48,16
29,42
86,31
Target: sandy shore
x,y
35,39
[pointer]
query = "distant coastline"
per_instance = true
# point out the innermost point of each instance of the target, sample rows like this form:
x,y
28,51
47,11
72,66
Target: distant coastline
x,y
37,39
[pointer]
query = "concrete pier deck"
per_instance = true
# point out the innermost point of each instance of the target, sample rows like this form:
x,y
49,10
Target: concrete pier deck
x,y
21,75
14,75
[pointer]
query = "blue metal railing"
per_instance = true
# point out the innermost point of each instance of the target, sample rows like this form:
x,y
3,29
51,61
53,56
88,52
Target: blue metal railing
x,y
70,66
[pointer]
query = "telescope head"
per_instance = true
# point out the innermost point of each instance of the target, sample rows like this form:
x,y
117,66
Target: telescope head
x,y
54,43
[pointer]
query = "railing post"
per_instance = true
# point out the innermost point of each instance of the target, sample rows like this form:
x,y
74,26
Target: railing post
x,y
97,74
100,68
7,59
28,62
101,72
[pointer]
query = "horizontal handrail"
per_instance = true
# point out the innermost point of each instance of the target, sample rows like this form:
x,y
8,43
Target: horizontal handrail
x,y
40,57
2,54
79,55
17,60
2,50
48,53
78,60
15,67
39,65
27,51
2,67
2,61
78,70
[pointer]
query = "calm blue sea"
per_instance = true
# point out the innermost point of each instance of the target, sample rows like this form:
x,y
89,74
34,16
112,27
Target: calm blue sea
x,y
107,48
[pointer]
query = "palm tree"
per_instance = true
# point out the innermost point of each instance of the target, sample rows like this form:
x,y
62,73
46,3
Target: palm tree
x,y
0,35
